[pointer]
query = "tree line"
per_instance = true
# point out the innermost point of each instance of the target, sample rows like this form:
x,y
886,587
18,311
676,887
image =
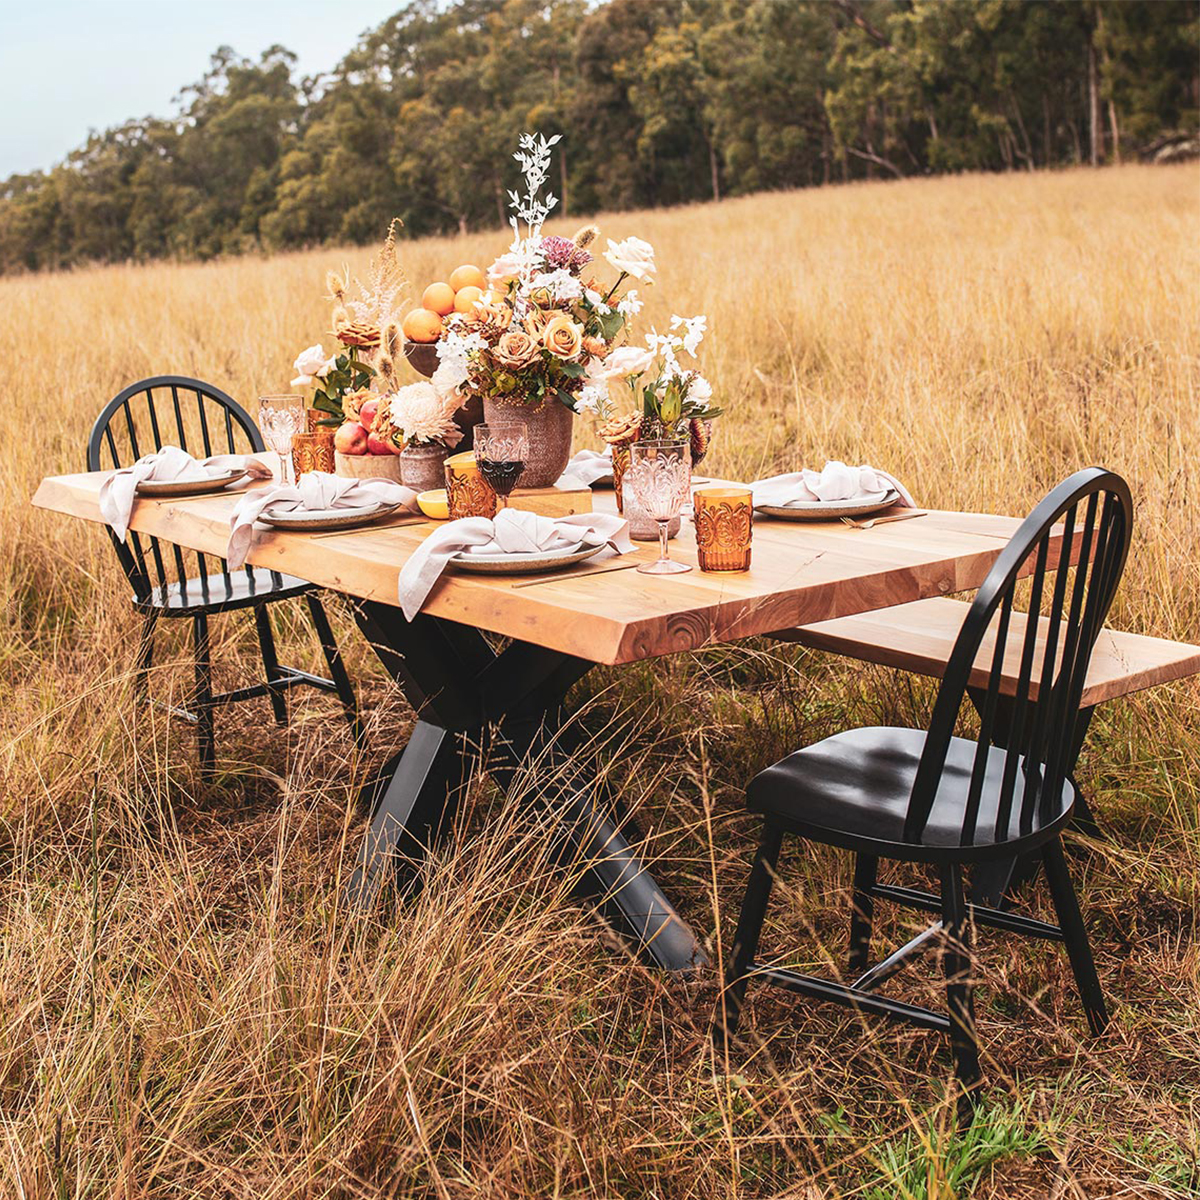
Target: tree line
x,y
660,102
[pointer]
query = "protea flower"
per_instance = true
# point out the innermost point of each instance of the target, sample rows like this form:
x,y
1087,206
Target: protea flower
x,y
700,433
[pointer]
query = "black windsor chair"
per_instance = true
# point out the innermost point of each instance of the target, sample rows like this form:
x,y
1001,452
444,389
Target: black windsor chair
x,y
931,797
203,420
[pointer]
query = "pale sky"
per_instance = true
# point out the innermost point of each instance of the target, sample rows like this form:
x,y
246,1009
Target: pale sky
x,y
67,66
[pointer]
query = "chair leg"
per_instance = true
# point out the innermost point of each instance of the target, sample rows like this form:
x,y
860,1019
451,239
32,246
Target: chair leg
x,y
206,740
266,642
1075,937
956,961
862,912
745,942
337,669
145,658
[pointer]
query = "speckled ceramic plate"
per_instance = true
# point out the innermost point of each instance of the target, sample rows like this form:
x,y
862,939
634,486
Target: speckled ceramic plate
x,y
312,520
190,487
828,510
522,564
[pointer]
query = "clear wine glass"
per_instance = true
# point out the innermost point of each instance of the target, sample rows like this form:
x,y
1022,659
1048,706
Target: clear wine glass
x,y
501,451
280,418
659,477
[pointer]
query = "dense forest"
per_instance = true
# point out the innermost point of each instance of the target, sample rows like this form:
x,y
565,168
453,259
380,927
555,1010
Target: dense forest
x,y
659,101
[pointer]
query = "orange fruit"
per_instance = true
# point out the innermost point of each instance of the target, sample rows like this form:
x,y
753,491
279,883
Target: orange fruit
x,y
422,325
464,299
439,298
467,276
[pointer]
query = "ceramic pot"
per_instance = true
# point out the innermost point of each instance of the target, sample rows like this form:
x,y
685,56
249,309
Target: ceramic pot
x,y
367,466
423,467
550,427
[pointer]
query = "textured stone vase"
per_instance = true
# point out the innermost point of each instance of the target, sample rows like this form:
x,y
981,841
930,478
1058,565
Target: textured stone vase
x,y
550,427
423,468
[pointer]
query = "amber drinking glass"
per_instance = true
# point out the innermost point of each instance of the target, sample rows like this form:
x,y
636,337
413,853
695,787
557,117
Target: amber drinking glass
x,y
724,519
468,494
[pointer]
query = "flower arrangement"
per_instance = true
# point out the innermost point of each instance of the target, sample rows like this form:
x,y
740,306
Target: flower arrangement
x,y
366,325
652,394
545,322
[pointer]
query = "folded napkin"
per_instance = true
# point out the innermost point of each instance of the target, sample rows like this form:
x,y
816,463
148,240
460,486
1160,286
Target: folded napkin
x,y
168,465
316,491
585,468
514,531
835,481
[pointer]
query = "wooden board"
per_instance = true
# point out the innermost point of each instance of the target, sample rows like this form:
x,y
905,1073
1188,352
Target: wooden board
x,y
919,637
801,574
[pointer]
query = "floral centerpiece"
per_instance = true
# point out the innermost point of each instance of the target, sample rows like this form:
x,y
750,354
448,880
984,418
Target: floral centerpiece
x,y
532,344
652,394
417,422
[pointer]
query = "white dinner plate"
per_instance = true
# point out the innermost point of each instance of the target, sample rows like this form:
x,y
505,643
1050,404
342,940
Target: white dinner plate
x,y
190,487
309,520
829,510
521,564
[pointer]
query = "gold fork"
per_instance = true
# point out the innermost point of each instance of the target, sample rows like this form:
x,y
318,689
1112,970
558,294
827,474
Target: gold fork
x,y
906,515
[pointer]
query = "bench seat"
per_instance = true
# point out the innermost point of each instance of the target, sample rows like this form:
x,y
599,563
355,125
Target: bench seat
x,y
919,637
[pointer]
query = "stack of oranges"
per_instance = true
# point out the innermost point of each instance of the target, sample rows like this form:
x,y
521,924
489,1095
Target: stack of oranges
x,y
467,284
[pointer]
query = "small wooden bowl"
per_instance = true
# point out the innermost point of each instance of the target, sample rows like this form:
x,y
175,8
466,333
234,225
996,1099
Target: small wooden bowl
x,y
367,466
423,356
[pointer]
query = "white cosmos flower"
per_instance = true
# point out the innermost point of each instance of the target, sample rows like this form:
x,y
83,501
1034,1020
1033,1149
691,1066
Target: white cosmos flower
x,y
561,285
694,330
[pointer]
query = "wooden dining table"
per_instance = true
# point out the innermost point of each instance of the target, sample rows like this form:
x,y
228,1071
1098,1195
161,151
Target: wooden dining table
x,y
488,662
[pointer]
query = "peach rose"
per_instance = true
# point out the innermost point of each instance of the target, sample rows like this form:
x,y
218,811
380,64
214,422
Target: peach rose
x,y
515,349
562,337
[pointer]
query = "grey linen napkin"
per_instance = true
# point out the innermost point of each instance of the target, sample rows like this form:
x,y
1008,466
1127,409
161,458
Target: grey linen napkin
x,y
168,465
835,481
514,531
316,491
585,468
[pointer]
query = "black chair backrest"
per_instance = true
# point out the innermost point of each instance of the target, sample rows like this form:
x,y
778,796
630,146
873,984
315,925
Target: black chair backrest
x,y
1092,513
147,415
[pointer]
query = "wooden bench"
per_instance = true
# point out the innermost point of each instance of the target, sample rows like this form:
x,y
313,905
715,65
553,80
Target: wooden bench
x,y
919,636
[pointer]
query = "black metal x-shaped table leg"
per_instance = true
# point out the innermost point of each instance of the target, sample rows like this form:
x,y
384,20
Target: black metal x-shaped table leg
x,y
469,697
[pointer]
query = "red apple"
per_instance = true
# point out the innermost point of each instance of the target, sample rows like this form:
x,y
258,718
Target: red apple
x,y
351,438
377,445
366,414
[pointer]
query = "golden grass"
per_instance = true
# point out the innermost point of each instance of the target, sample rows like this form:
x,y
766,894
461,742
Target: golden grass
x,y
185,1009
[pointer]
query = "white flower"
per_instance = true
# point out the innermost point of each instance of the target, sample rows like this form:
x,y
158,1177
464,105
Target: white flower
x,y
310,361
591,399
597,302
622,362
330,363
630,306
633,256
699,390
506,267
423,416
561,285
454,351
694,329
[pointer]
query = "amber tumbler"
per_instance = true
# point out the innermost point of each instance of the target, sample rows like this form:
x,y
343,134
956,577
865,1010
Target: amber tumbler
x,y
468,494
724,519
312,452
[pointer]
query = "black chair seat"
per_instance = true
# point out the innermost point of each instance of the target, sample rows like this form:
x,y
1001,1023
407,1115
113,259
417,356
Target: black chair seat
x,y
854,790
223,593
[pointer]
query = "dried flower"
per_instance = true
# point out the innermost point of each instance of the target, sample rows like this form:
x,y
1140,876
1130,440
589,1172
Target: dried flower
x,y
586,236
357,333
421,417
595,346
352,403
562,336
516,349
618,431
700,435
563,254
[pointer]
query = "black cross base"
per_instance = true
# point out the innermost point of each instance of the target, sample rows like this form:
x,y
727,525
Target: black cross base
x,y
506,709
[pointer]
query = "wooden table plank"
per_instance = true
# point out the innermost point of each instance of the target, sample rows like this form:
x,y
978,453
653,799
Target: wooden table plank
x,y
801,573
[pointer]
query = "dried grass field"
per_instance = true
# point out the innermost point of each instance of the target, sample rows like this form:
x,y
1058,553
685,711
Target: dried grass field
x,y
186,1010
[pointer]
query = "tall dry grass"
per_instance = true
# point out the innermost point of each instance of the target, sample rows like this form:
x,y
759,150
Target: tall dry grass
x,y
187,1010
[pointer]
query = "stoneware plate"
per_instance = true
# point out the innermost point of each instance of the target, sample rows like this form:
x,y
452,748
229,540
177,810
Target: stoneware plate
x,y
522,564
190,487
312,520
828,510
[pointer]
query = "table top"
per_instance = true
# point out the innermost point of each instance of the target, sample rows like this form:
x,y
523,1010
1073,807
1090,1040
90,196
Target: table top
x,y
801,573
